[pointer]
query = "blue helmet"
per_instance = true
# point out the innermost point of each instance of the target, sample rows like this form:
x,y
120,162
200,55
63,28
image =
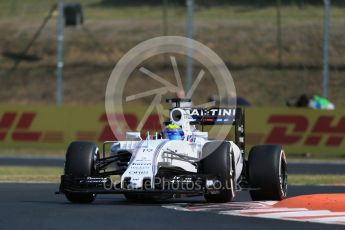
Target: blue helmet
x,y
173,132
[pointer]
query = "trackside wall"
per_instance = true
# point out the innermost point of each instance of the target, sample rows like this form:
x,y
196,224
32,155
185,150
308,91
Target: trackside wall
x,y
52,127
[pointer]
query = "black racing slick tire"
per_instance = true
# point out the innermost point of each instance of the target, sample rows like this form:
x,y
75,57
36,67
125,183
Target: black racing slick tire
x,y
80,198
80,158
267,172
131,196
218,163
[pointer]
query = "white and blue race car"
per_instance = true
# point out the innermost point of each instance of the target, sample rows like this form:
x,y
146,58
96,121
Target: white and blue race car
x,y
180,161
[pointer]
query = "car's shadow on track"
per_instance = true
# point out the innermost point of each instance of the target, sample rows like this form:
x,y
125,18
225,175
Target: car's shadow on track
x,y
118,200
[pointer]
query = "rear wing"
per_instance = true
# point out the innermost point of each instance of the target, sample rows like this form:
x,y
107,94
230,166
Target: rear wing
x,y
215,116
222,116
202,116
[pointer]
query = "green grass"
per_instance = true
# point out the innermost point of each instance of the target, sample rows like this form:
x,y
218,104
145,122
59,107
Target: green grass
x,y
316,179
32,152
21,170
317,156
24,174
52,174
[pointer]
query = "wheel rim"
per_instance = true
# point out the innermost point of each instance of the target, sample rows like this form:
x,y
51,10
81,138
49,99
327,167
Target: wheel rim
x,y
232,179
283,175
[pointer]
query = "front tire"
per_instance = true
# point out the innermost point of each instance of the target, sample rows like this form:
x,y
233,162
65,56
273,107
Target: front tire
x,y
80,198
268,172
80,158
219,162
131,196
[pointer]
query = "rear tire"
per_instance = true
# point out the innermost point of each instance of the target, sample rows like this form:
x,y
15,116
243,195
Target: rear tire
x,y
268,172
131,196
220,164
80,158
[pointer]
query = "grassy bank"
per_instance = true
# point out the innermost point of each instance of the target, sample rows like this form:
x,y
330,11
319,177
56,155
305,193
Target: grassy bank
x,y
244,37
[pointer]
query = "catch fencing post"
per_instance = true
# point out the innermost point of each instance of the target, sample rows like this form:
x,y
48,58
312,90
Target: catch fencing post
x,y
189,33
279,34
326,25
60,52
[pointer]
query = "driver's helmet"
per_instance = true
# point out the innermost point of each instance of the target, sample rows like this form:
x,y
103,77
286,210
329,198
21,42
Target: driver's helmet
x,y
173,132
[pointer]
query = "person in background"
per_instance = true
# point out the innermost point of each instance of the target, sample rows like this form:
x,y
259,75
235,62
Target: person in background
x,y
315,102
318,102
303,101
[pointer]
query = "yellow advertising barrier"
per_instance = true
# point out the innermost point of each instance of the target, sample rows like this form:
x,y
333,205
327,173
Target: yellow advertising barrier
x,y
298,130
47,127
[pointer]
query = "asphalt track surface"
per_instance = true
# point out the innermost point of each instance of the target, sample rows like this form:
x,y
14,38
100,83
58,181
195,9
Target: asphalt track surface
x,y
35,206
294,167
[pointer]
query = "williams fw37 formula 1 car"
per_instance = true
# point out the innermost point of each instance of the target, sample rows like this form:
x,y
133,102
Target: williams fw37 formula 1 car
x,y
180,161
